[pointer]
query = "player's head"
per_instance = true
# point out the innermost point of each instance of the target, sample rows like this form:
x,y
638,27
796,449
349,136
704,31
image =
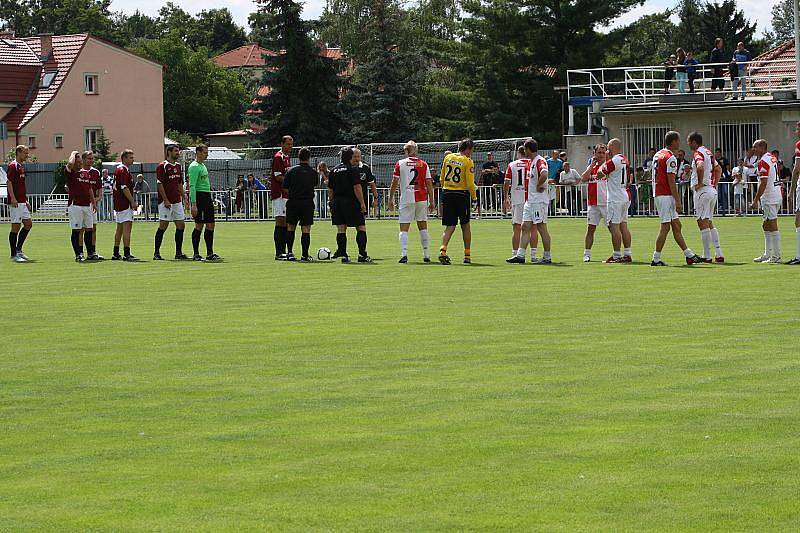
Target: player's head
x,y
201,153
521,151
139,177
410,148
356,157
531,147
466,146
614,146
304,156
490,156
322,167
87,159
741,161
347,155
600,151
760,147
286,144
672,140
126,157
694,140
22,153
173,151
74,160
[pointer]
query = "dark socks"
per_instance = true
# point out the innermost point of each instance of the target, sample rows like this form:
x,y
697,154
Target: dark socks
x,y
361,240
116,251
305,241
341,243
159,238
178,241
87,239
12,243
208,235
127,251
279,235
23,234
289,241
196,241
75,239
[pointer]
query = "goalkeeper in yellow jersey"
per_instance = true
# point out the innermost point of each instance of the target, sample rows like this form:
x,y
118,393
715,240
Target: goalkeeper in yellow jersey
x,y
458,189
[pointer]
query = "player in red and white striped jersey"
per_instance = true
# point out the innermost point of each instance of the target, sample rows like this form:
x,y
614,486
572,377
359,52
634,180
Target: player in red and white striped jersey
x,y
770,197
668,200
413,177
615,172
515,189
703,185
795,194
534,214
597,201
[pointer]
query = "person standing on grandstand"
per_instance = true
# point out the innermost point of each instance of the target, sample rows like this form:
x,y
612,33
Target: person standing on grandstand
x,y
124,205
169,183
597,192
515,187
91,175
705,195
348,207
281,162
80,204
534,214
615,172
458,188
795,193
367,180
770,198
413,177
202,205
300,181
668,200
20,210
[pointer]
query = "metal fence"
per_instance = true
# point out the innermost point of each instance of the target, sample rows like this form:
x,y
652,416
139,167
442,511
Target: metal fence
x,y
566,201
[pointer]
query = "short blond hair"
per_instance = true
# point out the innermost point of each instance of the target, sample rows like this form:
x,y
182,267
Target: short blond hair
x,y
125,153
410,148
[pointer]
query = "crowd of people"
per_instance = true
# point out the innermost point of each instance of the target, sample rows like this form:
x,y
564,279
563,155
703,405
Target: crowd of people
x,y
528,192
682,67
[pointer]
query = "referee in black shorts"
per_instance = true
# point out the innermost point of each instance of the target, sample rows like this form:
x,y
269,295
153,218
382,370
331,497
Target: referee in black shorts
x,y
300,182
202,205
348,207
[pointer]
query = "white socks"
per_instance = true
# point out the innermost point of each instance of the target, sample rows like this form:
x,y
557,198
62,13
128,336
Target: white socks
x,y
627,251
404,243
616,255
715,241
797,230
776,243
705,236
426,241
767,244
587,253
688,252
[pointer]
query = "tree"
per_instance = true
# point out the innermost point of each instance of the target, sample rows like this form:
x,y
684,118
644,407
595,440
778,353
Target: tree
x,y
782,23
132,28
215,30
647,41
199,96
102,149
31,17
303,94
724,21
689,34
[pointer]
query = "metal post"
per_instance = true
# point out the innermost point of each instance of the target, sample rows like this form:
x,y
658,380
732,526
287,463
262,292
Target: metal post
x,y
797,47
571,119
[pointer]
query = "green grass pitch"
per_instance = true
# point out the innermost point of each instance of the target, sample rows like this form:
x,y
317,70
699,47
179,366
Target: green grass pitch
x,y
255,395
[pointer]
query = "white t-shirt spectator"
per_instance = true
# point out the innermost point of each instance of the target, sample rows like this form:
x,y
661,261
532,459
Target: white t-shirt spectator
x,y
569,178
739,172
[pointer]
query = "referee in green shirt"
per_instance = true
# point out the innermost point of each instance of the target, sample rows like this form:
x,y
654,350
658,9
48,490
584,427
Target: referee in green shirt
x,y
202,205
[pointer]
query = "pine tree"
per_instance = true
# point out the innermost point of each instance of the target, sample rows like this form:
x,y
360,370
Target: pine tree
x,y
102,149
303,87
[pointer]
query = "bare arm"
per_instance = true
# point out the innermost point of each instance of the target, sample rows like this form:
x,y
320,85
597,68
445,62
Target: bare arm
x,y
542,182
127,192
393,191
586,176
163,193
673,188
374,189
429,186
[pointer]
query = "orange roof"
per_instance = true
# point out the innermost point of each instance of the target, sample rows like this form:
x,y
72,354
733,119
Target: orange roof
x,y
252,55
782,72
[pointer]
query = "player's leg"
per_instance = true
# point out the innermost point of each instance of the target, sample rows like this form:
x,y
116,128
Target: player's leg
x,y
466,235
180,228
425,239
627,241
661,240
117,241
772,227
404,227
592,220
361,242
127,226
290,235
89,238
27,224
279,236
705,237
541,228
13,235
305,241
196,234
159,238
534,242
796,260
341,242
616,243
719,257
208,237
688,253
516,233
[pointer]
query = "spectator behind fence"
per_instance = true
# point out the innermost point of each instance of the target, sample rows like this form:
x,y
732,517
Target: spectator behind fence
x,y
570,178
490,173
669,72
718,82
681,69
651,153
239,189
691,69
739,174
723,188
741,57
322,172
141,188
108,188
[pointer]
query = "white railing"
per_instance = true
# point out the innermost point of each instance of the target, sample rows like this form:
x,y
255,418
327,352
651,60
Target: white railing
x,y
762,78
567,201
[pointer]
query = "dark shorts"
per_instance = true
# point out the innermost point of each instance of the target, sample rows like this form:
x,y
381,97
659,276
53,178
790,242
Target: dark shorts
x,y
455,208
346,213
300,212
205,208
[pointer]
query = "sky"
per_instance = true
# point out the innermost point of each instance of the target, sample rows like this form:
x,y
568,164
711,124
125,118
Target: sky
x,y
756,10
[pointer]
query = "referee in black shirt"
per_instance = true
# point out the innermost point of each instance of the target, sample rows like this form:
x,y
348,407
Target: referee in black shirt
x,y
300,182
348,207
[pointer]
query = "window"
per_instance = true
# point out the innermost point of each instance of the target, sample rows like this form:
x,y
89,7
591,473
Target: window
x,y
90,84
47,80
58,141
90,138
735,138
639,138
31,142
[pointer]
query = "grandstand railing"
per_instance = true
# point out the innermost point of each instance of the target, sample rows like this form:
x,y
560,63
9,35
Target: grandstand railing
x,y
566,201
763,78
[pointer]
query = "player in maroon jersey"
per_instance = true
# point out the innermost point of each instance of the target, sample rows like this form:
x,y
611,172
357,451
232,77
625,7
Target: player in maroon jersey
x,y
281,162
92,176
169,178
124,206
20,209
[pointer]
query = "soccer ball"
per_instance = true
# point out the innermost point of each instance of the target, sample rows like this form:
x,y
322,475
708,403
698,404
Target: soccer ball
x,y
323,254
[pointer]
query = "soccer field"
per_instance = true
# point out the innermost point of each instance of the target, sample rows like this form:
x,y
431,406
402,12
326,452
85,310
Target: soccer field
x,y
255,394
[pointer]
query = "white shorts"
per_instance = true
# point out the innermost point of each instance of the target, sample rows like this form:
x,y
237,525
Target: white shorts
x,y
769,211
705,202
80,216
797,200
124,216
535,213
172,213
595,213
19,213
516,213
279,207
617,212
414,212
665,206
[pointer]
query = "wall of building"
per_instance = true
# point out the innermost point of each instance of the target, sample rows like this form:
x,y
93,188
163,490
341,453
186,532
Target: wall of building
x,y
129,107
579,148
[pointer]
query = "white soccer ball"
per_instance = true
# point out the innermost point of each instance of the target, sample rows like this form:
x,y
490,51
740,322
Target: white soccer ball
x,y
323,254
